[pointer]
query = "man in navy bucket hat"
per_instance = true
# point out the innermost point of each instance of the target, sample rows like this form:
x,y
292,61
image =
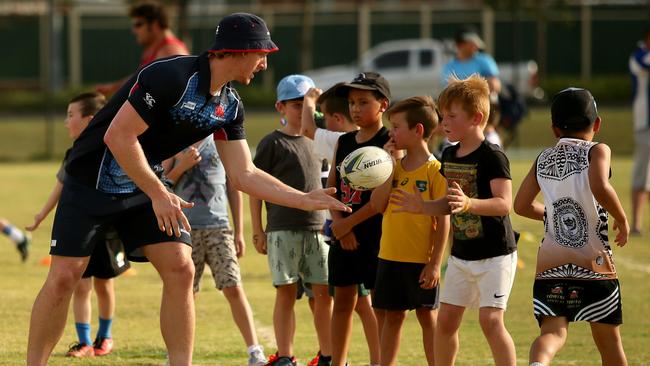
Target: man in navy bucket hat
x,y
114,178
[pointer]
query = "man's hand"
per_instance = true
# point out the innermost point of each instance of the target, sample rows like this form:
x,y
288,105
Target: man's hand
x,y
430,276
38,218
259,241
407,202
240,245
168,208
321,199
349,241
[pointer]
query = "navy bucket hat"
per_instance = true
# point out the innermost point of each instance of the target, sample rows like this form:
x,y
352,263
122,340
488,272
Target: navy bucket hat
x,y
242,32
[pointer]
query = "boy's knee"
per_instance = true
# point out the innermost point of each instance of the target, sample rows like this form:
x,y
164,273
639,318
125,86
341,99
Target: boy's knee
x,y
183,271
64,280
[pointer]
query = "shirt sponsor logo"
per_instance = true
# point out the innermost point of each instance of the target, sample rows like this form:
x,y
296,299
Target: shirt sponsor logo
x,y
148,100
189,105
53,243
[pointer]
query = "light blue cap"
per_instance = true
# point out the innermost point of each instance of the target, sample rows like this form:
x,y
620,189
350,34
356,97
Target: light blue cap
x,y
293,87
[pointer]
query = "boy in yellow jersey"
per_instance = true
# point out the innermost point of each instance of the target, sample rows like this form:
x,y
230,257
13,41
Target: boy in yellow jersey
x,y
412,245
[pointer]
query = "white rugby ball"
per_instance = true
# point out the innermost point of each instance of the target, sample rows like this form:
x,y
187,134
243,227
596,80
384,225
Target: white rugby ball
x,y
366,168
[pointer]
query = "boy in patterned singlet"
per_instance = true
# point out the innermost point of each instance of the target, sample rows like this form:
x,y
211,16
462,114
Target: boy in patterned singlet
x,y
575,276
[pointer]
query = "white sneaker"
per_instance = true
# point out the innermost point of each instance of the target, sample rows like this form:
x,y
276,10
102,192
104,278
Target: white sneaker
x,y
256,357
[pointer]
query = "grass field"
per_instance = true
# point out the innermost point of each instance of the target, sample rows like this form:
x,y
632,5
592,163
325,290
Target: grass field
x,y
26,185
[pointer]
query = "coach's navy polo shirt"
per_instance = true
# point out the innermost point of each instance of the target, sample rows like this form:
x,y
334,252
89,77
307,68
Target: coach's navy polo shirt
x,y
172,96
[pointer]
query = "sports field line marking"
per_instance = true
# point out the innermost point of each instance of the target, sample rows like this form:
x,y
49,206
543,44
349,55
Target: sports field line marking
x,y
265,335
632,264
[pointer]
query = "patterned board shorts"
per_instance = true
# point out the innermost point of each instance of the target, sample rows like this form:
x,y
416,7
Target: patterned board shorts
x,y
295,255
216,248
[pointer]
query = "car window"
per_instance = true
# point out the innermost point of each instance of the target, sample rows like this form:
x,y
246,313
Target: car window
x,y
426,58
392,60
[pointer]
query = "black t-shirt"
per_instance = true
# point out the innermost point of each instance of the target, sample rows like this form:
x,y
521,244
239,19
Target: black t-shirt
x,y
292,161
478,237
368,231
172,96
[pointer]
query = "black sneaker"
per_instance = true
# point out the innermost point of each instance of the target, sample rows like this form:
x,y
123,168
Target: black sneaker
x,y
283,361
23,248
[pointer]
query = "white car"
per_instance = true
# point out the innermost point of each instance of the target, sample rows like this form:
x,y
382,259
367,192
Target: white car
x,y
414,67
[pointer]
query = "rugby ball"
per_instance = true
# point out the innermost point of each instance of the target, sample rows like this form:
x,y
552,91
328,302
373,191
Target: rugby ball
x,y
366,168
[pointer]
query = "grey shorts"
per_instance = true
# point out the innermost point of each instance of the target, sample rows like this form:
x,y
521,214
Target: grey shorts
x,y
641,168
216,248
297,254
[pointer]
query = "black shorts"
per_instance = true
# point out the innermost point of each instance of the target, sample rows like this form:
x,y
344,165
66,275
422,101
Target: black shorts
x,y
352,267
108,260
398,287
597,301
84,215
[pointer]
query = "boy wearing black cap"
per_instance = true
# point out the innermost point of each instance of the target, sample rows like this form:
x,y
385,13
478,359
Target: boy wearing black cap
x,y
575,276
353,255
113,177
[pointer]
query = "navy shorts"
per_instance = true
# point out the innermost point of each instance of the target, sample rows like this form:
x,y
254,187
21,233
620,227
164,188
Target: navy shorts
x,y
597,301
84,216
398,287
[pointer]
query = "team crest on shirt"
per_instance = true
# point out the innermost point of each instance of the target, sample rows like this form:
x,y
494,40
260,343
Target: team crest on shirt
x,y
569,223
421,184
218,111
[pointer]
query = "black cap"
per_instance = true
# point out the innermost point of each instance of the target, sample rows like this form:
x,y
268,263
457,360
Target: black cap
x,y
573,109
243,32
367,81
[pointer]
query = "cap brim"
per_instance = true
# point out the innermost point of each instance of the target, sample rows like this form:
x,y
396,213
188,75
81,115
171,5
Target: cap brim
x,y
253,46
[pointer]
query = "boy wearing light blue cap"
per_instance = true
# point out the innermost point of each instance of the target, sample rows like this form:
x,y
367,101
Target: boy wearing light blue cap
x,y
292,240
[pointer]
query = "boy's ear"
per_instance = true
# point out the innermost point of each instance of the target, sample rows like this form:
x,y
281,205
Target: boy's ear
x,y
478,117
279,106
384,104
419,129
597,124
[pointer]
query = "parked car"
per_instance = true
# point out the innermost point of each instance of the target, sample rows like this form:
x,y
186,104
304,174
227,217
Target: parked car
x,y
414,67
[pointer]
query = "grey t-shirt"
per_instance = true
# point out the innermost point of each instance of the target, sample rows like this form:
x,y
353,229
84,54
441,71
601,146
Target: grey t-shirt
x,y
205,185
292,160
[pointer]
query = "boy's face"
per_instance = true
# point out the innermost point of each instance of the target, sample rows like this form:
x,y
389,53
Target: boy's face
x,y
456,122
403,136
144,31
291,110
74,121
365,109
247,64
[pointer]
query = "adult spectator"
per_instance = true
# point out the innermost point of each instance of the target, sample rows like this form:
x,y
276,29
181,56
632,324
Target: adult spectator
x,y
150,26
113,177
640,71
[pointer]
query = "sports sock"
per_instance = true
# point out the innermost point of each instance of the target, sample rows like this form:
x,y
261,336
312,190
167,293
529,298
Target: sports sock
x,y
254,348
83,332
536,364
104,330
14,234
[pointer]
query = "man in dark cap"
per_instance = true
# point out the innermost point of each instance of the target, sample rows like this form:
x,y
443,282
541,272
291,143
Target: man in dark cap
x,y
114,177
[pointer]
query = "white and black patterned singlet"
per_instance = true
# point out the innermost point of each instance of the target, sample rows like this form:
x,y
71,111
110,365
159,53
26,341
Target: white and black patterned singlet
x,y
575,243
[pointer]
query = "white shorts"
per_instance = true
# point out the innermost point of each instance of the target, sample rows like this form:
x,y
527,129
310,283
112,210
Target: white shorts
x,y
481,283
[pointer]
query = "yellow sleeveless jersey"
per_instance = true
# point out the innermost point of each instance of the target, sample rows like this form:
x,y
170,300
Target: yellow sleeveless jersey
x,y
407,237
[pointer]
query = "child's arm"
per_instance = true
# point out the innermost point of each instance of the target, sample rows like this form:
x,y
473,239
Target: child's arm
x,y
308,124
236,204
184,160
600,157
498,205
413,203
430,276
51,202
259,236
347,240
381,194
525,204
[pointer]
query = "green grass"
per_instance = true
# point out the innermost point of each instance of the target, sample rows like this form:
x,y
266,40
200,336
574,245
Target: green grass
x,y
138,341
24,138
